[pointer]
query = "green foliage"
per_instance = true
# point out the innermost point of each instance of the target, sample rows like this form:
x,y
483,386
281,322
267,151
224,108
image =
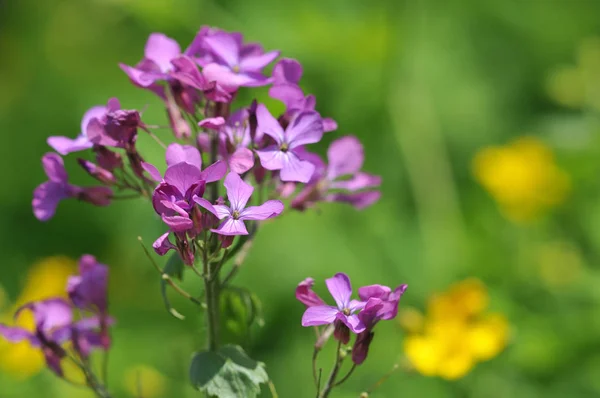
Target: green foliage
x,y
174,269
240,310
227,373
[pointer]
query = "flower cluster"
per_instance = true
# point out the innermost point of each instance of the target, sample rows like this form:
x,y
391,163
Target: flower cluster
x,y
376,303
227,170
70,328
457,332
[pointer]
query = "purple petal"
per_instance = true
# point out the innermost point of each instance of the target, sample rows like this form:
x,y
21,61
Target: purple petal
x,y
208,206
238,191
269,209
377,291
221,211
241,160
212,122
287,70
94,112
358,182
295,169
214,172
89,289
353,322
230,80
17,334
290,94
329,125
141,77
161,49
49,314
162,245
271,157
359,200
112,105
306,128
152,171
345,156
267,124
226,46
46,198
306,295
177,153
182,176
178,223
66,145
231,227
340,288
356,305
319,315
257,62
54,168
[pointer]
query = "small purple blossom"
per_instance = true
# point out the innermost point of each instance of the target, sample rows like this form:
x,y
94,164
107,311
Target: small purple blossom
x,y
89,289
233,216
285,154
341,290
48,194
341,180
235,64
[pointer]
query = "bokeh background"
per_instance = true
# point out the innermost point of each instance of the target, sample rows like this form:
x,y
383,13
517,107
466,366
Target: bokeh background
x,y
482,118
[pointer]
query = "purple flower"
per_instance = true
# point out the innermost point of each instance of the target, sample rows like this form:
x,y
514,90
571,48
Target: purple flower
x,y
89,289
66,145
382,304
47,195
53,319
306,295
341,180
284,155
286,75
235,64
183,180
340,288
163,245
115,128
233,216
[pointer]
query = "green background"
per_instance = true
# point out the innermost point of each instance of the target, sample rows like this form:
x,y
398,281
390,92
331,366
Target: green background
x,y
424,85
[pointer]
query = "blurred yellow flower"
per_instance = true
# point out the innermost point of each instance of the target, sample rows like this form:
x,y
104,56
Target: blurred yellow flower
x,y
45,279
456,332
522,177
143,380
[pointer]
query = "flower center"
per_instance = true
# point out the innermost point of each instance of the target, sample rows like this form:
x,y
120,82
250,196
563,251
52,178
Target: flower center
x,y
284,147
235,215
347,311
236,68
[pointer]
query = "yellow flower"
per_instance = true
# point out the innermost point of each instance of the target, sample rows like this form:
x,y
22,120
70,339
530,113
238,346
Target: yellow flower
x,y
47,278
142,380
522,177
457,333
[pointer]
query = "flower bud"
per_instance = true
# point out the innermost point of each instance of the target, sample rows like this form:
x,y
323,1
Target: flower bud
x,y
226,241
361,346
102,175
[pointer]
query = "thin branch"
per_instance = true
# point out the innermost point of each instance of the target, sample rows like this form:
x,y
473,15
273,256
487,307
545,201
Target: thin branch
x,y
383,379
347,376
239,260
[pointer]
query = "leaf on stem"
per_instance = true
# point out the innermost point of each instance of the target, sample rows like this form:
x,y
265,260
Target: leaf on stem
x,y
227,373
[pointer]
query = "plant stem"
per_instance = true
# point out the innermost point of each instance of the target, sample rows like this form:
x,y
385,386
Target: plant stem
x,y
334,372
211,285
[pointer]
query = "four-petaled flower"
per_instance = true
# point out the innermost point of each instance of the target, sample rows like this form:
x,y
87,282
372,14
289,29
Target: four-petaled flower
x,y
341,179
233,216
285,154
235,64
341,290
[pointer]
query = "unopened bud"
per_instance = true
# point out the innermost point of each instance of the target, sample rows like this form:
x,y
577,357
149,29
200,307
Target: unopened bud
x,y
102,175
108,159
341,332
99,196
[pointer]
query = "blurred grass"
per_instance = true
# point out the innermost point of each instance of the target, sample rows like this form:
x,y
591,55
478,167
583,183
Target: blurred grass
x,y
426,86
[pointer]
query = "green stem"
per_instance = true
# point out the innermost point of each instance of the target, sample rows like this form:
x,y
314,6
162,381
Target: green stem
x,y
334,373
211,285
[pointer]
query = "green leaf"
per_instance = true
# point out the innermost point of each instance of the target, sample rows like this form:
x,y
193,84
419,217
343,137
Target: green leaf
x,y
227,373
